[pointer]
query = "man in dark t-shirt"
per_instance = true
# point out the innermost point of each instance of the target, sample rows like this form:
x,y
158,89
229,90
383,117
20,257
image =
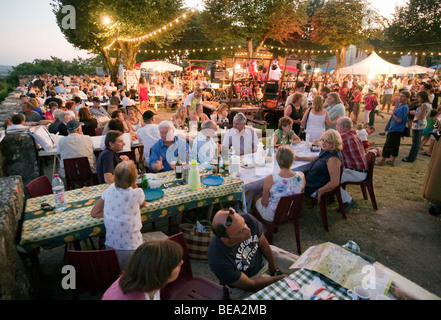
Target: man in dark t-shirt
x,y
109,158
239,253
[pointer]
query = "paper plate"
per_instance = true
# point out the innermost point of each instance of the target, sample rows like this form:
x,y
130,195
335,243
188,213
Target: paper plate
x,y
153,194
213,180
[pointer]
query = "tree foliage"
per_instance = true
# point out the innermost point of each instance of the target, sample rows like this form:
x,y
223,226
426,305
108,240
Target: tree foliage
x,y
415,26
253,22
340,23
128,19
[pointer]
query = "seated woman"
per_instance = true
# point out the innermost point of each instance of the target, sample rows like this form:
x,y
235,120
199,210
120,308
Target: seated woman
x,y
324,174
278,185
179,118
284,134
133,122
86,117
199,115
120,206
50,114
116,124
152,266
221,114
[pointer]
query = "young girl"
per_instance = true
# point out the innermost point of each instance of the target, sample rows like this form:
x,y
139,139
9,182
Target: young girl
x,y
275,186
120,206
284,134
152,266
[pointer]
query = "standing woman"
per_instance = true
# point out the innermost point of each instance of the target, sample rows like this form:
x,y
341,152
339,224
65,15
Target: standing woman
x,y
143,94
335,108
315,118
343,92
294,110
418,124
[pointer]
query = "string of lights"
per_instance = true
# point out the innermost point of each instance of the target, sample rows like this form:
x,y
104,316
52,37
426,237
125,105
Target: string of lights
x,y
240,51
153,33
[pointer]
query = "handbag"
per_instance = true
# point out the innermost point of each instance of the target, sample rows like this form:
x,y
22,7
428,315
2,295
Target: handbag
x,y
197,242
406,132
302,134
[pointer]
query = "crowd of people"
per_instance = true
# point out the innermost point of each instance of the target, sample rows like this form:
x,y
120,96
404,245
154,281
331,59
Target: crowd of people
x,y
328,115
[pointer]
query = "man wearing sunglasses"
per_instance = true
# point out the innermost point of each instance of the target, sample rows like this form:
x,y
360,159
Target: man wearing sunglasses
x,y
239,254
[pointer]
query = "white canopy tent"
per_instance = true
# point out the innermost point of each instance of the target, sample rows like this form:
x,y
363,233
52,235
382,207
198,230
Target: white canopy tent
x,y
416,69
156,65
373,65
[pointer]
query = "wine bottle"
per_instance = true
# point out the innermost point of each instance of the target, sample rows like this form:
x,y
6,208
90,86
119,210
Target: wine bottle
x,y
178,168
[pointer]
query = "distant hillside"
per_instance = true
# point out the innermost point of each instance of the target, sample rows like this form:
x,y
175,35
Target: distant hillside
x,y
5,70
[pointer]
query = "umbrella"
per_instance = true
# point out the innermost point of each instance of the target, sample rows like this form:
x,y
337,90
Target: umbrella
x,y
158,65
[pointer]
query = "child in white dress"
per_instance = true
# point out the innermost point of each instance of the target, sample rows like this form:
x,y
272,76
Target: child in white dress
x,y
120,206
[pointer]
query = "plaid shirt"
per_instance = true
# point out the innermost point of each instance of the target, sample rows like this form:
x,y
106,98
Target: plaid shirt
x,y
354,156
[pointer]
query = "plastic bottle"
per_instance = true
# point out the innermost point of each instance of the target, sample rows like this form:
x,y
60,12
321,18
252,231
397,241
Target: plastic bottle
x,y
58,190
145,182
231,154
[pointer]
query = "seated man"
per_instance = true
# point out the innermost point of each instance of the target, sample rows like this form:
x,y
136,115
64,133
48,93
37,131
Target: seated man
x,y
149,134
53,127
75,145
109,158
204,147
29,114
64,118
18,123
96,110
164,153
239,254
119,115
243,139
354,159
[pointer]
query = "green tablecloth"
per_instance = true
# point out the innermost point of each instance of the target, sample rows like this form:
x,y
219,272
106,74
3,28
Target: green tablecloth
x,y
52,229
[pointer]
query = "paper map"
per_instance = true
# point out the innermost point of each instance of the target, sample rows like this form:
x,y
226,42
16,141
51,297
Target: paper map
x,y
344,267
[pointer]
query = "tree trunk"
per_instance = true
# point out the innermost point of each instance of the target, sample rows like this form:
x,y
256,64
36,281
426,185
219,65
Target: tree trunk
x,y
341,58
112,64
129,52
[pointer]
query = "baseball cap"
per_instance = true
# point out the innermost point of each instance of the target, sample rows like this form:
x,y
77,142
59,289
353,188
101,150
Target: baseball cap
x,y
148,115
73,125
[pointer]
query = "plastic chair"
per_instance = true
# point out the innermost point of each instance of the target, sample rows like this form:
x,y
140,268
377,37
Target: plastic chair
x,y
95,270
78,173
40,186
288,210
99,131
368,182
185,287
325,197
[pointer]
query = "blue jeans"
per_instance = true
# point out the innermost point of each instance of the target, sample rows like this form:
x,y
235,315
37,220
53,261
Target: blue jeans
x,y
416,143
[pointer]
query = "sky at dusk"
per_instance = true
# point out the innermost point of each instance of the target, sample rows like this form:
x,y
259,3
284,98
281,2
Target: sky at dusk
x,y
29,31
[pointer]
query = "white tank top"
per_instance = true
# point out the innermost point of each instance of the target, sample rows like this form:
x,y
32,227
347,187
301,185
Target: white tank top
x,y
315,125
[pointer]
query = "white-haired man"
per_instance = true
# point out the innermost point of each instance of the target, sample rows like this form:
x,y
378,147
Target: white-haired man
x,y
164,153
243,139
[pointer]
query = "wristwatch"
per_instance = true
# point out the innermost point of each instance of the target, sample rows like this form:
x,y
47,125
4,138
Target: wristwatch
x,y
276,273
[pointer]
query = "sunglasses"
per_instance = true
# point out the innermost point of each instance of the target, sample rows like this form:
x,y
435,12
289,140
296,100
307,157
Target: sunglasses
x,y
229,220
46,207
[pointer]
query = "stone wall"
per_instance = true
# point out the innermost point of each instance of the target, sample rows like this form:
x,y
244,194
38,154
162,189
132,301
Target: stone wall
x,y
15,279
19,156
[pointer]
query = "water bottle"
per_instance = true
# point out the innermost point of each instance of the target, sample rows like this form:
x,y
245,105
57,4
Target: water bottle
x,y
58,190
231,154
